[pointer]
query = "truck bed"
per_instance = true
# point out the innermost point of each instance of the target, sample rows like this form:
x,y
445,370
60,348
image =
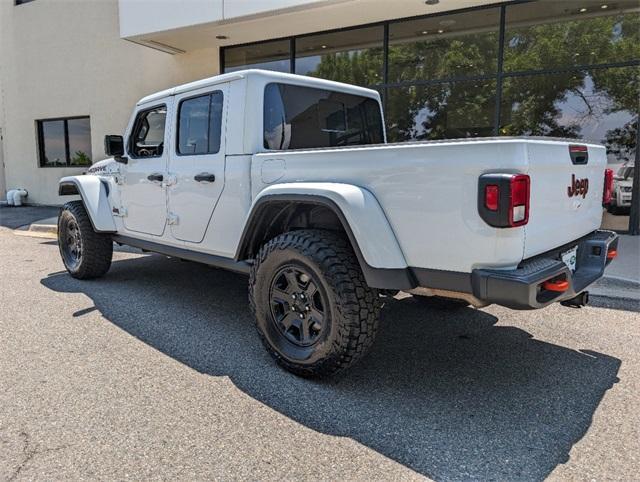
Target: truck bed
x,y
429,193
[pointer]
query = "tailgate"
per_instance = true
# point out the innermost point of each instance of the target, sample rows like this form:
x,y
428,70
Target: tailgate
x,y
560,209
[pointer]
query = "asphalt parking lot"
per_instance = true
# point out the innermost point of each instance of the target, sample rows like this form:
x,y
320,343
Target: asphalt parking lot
x,y
155,372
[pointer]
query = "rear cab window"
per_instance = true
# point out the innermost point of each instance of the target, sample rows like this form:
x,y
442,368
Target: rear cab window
x,y
298,117
199,124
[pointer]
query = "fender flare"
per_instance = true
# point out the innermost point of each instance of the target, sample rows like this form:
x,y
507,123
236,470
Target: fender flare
x,y
94,194
362,218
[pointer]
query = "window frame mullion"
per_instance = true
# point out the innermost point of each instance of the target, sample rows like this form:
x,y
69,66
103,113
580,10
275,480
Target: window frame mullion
x,y
499,73
66,141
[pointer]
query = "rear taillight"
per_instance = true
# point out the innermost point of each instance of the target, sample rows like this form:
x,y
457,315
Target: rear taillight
x,y
503,199
608,186
519,207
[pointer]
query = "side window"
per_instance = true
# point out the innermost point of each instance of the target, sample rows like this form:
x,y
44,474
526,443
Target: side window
x,y
297,117
277,133
147,138
200,124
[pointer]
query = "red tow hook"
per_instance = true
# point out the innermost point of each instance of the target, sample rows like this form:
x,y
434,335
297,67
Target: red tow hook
x,y
559,286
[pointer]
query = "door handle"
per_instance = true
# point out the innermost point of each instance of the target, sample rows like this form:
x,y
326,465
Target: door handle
x,y
156,177
205,177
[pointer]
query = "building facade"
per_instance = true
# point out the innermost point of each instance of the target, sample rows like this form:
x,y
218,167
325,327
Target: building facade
x,y
71,71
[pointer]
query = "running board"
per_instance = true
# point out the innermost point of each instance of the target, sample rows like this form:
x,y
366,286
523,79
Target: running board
x,y
195,256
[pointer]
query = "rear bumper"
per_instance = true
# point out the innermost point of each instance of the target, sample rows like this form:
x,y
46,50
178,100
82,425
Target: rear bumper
x,y
522,289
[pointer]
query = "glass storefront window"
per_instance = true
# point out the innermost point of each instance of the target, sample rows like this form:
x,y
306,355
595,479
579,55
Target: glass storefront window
x,y
557,34
599,105
442,111
64,142
79,132
447,68
456,45
274,55
352,56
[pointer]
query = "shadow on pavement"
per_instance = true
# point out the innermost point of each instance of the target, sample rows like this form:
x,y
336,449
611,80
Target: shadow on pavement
x,y
14,217
623,304
446,393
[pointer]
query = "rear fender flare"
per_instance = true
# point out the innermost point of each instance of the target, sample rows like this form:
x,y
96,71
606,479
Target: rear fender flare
x,y
362,218
94,194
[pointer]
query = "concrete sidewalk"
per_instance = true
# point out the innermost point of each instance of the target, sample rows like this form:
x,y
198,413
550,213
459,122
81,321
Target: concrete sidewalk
x,y
622,278
15,217
42,228
627,265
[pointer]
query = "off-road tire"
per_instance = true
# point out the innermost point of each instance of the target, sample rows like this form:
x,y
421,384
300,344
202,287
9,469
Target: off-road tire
x,y
354,308
96,248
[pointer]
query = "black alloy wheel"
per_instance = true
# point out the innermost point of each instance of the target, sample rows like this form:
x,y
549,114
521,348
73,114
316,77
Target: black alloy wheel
x,y
298,306
71,243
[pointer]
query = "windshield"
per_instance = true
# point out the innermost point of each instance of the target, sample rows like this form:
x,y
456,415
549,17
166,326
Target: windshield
x,y
625,172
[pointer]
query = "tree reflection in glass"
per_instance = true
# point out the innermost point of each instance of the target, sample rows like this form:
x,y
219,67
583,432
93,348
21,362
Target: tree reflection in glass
x,y
599,105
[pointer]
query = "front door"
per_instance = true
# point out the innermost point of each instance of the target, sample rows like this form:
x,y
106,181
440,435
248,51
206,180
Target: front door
x,y
143,188
197,162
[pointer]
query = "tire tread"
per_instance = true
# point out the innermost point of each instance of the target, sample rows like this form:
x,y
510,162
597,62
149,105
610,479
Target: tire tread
x,y
357,304
97,248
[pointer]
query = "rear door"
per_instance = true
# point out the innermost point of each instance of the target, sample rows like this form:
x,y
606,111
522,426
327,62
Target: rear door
x,y
197,163
566,193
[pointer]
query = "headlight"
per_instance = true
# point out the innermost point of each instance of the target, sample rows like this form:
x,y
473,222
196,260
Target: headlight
x,y
626,189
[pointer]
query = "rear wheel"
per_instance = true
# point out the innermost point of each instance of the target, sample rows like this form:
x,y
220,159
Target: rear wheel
x,y
85,253
313,309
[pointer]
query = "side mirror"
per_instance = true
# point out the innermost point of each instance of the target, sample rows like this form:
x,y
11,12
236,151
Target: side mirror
x,y
114,146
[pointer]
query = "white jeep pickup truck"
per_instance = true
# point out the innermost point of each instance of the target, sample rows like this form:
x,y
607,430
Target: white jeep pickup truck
x,y
290,180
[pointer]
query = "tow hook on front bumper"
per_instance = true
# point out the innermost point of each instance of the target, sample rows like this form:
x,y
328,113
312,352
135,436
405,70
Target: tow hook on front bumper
x,y
578,301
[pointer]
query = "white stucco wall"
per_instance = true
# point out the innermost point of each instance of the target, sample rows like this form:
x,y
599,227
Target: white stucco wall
x,y
142,16
3,185
67,59
187,25
234,8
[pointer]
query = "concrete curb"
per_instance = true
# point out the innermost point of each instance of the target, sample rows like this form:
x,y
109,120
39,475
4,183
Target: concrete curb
x,y
36,234
621,283
624,281
40,229
616,288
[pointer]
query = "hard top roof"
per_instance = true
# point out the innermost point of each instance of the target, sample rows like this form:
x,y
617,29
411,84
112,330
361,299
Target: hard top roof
x,y
267,74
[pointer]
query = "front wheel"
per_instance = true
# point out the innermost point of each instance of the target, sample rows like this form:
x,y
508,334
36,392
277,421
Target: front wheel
x,y
85,253
313,309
